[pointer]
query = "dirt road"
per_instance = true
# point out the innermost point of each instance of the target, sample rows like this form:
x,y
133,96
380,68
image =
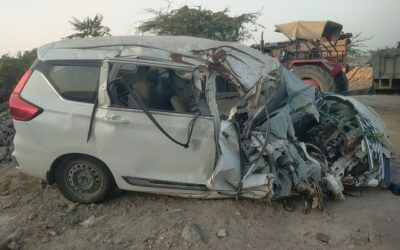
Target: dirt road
x,y
36,216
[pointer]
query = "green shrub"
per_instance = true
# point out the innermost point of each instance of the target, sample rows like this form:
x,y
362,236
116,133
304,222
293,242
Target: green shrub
x,y
11,70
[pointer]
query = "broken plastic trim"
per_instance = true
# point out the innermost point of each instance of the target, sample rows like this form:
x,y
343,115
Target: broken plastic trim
x,y
137,97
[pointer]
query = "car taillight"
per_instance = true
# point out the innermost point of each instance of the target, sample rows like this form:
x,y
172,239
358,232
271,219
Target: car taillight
x,y
21,109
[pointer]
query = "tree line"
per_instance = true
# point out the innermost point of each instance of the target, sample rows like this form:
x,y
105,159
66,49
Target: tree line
x,y
11,70
196,22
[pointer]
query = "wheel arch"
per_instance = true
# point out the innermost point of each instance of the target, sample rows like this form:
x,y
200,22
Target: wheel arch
x,y
50,176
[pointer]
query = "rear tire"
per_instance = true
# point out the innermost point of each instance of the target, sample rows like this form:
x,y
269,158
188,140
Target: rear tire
x,y
319,75
84,179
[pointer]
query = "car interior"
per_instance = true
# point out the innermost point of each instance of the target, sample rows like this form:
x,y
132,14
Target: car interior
x,y
167,90
159,89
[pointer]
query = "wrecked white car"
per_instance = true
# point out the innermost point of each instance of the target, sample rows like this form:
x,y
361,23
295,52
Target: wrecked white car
x,y
188,117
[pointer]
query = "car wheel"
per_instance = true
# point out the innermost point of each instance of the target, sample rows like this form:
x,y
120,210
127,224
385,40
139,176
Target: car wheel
x,y
84,180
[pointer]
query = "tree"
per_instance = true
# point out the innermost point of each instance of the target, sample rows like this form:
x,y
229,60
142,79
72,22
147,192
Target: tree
x,y
200,22
89,27
355,50
11,70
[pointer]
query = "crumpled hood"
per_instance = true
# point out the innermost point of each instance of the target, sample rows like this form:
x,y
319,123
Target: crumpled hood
x,y
382,135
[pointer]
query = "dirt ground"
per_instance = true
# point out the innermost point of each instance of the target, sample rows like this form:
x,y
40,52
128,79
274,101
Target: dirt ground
x,y
36,216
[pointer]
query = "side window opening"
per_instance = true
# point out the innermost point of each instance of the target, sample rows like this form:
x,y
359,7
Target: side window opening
x,y
227,97
159,88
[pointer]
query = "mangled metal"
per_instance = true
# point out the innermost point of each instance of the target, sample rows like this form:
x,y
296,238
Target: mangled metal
x,y
281,137
339,147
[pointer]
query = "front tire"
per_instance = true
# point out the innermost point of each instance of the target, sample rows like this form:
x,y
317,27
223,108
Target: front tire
x,y
318,75
84,180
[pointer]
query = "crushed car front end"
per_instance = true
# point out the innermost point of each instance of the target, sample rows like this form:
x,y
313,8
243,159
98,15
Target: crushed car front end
x,y
294,139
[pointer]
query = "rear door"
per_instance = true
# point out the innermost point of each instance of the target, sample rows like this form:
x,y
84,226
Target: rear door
x,y
136,150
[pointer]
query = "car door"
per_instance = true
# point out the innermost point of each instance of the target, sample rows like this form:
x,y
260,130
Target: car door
x,y
139,153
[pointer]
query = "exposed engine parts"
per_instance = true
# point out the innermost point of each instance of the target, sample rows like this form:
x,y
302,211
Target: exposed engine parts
x,y
322,157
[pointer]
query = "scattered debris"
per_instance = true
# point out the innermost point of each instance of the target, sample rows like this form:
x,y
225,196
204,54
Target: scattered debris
x,y
71,207
149,237
31,216
322,237
221,233
371,236
193,233
89,222
176,210
53,233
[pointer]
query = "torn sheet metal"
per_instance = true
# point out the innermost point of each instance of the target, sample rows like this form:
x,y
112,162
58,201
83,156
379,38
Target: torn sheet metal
x,y
226,176
314,144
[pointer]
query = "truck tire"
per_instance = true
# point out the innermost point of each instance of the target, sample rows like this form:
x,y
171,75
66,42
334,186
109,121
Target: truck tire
x,y
318,74
342,83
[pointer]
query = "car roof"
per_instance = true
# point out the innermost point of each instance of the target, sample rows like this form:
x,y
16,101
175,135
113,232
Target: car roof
x,y
240,61
124,45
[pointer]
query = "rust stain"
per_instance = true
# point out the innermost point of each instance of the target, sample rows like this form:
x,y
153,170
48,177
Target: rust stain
x,y
218,56
176,58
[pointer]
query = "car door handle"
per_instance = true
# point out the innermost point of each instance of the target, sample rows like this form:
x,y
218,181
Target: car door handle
x,y
116,119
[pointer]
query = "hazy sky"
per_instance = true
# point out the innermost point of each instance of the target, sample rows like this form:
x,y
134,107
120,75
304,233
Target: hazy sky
x,y
26,24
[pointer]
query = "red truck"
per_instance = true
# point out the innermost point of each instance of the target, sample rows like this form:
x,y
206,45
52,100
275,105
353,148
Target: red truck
x,y
315,51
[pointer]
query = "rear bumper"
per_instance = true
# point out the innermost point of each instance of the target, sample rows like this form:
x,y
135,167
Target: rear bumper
x,y
31,157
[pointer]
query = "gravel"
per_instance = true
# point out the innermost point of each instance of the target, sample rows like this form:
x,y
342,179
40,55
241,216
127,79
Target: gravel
x,y
7,133
193,233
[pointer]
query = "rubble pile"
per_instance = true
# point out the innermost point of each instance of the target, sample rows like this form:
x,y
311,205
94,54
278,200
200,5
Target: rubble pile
x,y
360,77
7,132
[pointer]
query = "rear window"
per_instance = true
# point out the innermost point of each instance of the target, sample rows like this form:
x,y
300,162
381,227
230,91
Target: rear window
x,y
75,83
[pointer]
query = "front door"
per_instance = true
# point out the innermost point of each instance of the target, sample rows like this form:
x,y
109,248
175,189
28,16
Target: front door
x,y
137,151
